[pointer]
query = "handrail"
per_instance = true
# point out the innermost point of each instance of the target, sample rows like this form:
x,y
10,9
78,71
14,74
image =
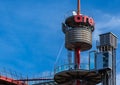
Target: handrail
x,y
72,66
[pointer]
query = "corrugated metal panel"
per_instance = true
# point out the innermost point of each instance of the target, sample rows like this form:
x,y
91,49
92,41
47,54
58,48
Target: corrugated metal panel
x,y
79,37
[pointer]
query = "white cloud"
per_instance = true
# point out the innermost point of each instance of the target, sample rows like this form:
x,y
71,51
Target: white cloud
x,y
110,22
105,22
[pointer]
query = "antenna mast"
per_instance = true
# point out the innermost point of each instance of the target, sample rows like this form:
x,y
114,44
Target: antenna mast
x,y
78,7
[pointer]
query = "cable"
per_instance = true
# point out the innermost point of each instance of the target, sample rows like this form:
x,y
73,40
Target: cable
x,y
61,48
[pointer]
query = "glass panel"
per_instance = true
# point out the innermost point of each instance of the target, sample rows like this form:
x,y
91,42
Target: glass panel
x,y
92,60
99,61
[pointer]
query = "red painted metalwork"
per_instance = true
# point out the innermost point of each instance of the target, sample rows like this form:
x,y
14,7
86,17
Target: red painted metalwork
x,y
11,81
77,62
78,82
84,19
78,18
35,79
77,57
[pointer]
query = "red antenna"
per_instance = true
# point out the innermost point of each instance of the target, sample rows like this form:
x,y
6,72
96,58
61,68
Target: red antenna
x,y
78,7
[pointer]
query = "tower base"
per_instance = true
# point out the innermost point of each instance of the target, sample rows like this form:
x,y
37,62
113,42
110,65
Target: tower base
x,y
86,77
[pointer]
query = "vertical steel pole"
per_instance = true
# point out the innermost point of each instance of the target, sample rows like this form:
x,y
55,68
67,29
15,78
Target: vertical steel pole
x,y
77,62
77,58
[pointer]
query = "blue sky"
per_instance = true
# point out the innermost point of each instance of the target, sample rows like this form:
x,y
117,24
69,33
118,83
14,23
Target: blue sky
x,y
31,36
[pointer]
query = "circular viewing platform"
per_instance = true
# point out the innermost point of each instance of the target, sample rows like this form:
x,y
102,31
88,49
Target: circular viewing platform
x,y
67,73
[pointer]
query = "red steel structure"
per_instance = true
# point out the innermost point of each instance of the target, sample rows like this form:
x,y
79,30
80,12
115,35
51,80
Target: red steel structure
x,y
10,77
35,79
9,81
77,61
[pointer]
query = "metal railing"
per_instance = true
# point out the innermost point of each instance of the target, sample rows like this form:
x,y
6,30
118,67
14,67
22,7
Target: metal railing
x,y
28,79
72,66
10,73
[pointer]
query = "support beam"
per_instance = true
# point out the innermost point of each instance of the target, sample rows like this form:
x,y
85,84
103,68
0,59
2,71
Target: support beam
x,y
77,62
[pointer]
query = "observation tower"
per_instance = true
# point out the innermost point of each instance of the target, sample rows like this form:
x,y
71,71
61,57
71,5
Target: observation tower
x,y
78,31
78,38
